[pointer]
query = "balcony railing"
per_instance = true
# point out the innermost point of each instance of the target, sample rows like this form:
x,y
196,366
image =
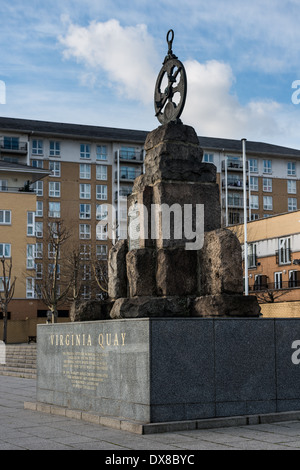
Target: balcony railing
x,y
11,189
128,174
13,145
280,285
132,156
123,193
235,164
234,183
237,202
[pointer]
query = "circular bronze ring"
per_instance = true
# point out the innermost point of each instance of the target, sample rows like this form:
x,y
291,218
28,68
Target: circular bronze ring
x,y
170,41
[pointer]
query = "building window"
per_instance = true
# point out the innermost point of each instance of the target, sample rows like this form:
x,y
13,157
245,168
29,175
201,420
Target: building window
x,y
85,151
85,191
30,224
52,249
85,171
253,183
30,291
291,169
292,204
39,229
37,147
86,272
284,251
208,157
39,271
291,187
101,172
85,252
37,163
267,166
11,143
39,250
101,191
54,269
30,256
278,280
260,282
38,188
2,283
3,185
101,252
128,153
254,202
268,203
101,232
101,212
253,168
84,231
267,185
5,250
39,209
54,149
254,216
54,167
294,278
252,258
5,217
54,209
101,152
84,211
54,189
86,292
54,229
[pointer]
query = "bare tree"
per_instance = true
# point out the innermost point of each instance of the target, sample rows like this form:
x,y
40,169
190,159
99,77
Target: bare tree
x,y
87,274
270,295
54,286
100,272
7,291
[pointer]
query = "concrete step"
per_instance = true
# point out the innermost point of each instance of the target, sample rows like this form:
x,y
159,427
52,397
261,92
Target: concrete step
x,y
20,361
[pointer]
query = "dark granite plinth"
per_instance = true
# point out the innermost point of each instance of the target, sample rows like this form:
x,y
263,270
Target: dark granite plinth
x,y
170,369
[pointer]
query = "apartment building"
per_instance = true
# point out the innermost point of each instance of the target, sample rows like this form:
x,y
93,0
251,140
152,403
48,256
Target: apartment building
x,y
17,229
91,168
274,259
88,170
272,178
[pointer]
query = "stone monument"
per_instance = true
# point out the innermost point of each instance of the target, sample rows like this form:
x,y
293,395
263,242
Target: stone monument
x,y
182,343
158,271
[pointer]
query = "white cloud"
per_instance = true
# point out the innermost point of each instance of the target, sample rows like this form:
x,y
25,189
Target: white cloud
x,y
124,59
125,54
214,111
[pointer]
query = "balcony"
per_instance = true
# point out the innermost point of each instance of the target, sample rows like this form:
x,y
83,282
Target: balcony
x,y
234,164
127,174
234,183
14,189
130,156
123,193
13,145
234,202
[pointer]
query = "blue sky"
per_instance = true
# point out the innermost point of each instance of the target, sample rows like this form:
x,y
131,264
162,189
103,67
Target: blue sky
x,y
96,62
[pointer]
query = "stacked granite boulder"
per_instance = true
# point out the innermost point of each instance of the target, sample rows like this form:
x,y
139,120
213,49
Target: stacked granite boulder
x,y
157,276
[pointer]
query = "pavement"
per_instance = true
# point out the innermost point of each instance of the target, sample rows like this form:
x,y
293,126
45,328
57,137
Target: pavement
x,y
22,429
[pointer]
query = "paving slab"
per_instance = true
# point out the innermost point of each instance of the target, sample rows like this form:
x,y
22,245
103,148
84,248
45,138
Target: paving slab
x,y
33,430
